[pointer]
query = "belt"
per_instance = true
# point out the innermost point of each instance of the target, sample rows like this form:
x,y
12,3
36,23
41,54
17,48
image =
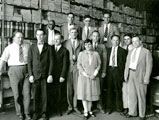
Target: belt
x,y
132,69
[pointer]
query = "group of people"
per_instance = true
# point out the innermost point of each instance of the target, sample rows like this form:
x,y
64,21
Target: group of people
x,y
91,62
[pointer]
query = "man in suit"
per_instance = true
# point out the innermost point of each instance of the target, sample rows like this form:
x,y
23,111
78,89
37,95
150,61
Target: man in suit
x,y
87,29
137,74
15,55
100,48
40,68
107,30
67,26
115,74
61,60
127,46
50,32
74,46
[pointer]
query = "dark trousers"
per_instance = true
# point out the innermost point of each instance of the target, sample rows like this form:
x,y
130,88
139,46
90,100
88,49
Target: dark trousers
x,y
56,97
40,96
114,89
21,88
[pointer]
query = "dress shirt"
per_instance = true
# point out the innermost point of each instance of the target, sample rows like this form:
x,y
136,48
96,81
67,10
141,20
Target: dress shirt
x,y
95,44
108,25
57,47
75,42
11,54
86,28
51,36
133,65
111,55
40,47
89,57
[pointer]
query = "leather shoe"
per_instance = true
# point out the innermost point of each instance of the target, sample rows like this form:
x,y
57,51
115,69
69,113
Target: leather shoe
x,y
102,111
92,114
142,118
27,117
21,117
77,111
129,116
108,112
85,118
68,112
44,117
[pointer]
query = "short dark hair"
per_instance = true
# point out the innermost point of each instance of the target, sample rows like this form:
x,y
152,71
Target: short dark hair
x,y
107,12
40,30
135,35
52,21
96,32
71,14
87,16
88,41
128,34
115,36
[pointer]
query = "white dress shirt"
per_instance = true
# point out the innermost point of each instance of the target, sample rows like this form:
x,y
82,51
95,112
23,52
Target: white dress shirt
x,y
111,55
57,48
133,64
40,47
11,54
86,28
51,36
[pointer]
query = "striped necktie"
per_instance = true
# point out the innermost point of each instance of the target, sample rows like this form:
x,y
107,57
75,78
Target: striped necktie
x,y
113,56
21,56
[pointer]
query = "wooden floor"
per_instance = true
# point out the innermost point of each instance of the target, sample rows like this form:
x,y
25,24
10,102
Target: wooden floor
x,y
11,115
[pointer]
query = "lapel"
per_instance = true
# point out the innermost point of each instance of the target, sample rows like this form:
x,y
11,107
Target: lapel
x,y
36,50
60,50
78,43
118,54
110,29
84,32
44,49
141,55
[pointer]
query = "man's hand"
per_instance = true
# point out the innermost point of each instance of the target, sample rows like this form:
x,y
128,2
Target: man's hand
x,y
146,83
62,79
49,79
31,79
0,73
103,75
157,77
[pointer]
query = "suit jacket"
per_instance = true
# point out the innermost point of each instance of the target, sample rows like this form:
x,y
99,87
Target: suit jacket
x,y
121,59
65,31
103,56
84,36
144,66
79,48
61,61
113,30
40,65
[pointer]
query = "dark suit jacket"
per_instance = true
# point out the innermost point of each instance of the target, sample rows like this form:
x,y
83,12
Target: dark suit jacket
x,y
40,65
61,63
121,60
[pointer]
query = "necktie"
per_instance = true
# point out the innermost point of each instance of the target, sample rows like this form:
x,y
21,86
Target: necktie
x,y
134,56
127,47
87,32
21,57
113,56
56,49
73,45
106,31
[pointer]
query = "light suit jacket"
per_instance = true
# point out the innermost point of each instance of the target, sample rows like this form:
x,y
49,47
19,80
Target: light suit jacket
x,y
84,36
144,66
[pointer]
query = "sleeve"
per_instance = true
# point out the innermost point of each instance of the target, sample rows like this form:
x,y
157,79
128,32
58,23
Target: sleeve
x,y
79,63
104,59
65,64
98,61
51,60
149,65
5,55
30,62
